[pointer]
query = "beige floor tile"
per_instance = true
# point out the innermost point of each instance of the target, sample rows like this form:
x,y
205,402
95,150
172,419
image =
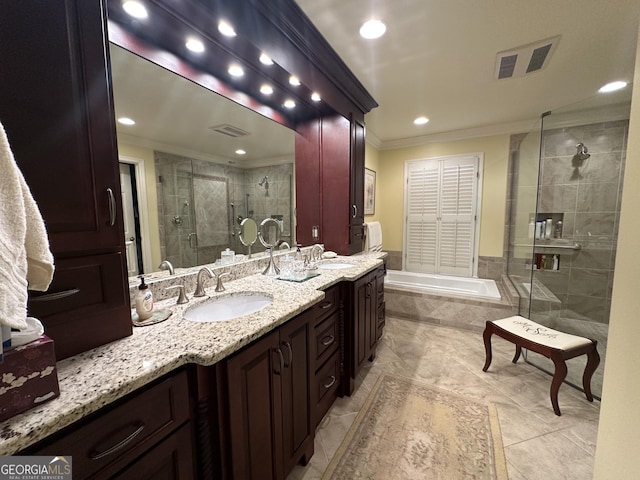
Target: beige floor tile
x,y
538,444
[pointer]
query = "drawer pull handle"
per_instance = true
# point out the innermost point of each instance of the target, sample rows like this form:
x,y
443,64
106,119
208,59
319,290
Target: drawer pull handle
x,y
55,296
333,380
326,305
328,340
288,345
119,445
281,362
112,207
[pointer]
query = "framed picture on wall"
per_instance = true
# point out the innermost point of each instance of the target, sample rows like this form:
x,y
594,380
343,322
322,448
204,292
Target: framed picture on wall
x,y
369,192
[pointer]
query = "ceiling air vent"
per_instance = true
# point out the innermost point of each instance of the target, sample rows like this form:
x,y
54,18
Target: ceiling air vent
x,y
525,59
229,130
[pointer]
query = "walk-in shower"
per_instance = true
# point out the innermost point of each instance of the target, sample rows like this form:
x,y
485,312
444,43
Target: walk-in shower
x,y
563,276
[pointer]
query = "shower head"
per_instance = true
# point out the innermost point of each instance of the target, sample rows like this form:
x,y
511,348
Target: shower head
x,y
264,179
582,153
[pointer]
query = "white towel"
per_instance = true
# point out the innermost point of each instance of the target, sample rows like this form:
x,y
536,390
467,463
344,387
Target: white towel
x,y
373,238
25,259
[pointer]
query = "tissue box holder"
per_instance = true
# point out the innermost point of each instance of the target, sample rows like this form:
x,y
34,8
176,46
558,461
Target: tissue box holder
x,y
28,377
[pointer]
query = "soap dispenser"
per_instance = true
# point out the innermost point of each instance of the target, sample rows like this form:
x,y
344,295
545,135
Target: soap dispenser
x,y
144,300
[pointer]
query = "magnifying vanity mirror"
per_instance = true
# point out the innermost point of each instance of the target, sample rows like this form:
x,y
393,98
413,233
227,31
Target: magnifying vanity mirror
x,y
248,234
269,235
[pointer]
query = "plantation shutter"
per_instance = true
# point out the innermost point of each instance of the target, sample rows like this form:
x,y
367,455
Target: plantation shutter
x,y
422,217
440,215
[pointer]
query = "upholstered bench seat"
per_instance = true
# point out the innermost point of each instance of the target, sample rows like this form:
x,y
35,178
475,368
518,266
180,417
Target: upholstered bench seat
x,y
558,346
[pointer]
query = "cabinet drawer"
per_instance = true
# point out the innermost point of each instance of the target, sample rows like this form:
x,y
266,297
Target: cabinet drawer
x,y
86,305
326,338
329,304
327,381
112,439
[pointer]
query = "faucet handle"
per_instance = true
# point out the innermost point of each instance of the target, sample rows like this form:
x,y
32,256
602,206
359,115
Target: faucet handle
x,y
219,285
182,297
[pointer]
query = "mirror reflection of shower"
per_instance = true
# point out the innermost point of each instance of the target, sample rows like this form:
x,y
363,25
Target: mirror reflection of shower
x,y
265,182
578,160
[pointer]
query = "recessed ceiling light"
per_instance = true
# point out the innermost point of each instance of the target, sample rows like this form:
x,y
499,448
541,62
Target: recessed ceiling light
x,y
289,104
240,152
194,45
135,9
612,87
372,29
315,96
266,89
421,120
226,29
126,121
265,59
235,70
293,80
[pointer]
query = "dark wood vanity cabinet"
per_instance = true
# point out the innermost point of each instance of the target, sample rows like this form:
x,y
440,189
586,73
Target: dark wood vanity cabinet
x,y
362,332
330,182
264,404
56,107
144,436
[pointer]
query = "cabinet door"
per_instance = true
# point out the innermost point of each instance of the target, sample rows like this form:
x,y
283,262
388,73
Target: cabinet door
x,y
296,419
255,411
57,110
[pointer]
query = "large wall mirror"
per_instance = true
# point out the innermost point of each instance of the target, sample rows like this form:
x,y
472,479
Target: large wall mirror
x,y
179,162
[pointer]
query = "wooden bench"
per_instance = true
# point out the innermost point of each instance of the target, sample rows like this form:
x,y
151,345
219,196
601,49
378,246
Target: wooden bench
x,y
557,346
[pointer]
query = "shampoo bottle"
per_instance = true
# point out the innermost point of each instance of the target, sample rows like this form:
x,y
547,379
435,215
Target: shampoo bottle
x,y
144,301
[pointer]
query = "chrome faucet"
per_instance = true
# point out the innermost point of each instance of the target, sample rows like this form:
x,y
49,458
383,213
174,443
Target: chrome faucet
x,y
219,285
166,265
316,252
282,245
182,297
200,281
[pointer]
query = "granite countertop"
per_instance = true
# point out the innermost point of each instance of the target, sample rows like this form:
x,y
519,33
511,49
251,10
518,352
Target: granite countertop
x,y
96,378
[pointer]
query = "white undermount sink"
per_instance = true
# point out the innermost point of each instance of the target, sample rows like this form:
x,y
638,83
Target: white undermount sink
x,y
336,265
228,308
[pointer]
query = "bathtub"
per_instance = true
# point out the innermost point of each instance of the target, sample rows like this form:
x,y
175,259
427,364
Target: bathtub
x,y
479,288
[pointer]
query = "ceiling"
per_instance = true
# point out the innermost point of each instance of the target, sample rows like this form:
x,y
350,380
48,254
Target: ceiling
x,y
437,59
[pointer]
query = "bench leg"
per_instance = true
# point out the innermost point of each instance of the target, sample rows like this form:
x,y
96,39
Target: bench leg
x,y
517,355
593,360
558,377
486,335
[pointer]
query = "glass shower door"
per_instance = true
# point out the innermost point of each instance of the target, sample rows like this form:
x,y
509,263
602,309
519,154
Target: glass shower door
x,y
578,204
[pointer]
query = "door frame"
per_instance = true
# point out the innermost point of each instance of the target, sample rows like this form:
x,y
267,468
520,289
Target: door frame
x,y
143,209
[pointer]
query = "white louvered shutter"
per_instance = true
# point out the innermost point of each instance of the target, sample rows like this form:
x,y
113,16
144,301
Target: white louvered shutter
x,y
440,215
422,214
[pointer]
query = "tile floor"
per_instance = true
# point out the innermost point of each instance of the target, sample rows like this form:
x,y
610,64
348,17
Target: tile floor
x,y
537,443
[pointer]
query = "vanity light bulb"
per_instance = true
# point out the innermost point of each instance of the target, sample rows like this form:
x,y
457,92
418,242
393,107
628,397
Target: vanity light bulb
x,y
293,80
289,104
315,96
266,89
236,71
195,45
226,29
265,59
135,9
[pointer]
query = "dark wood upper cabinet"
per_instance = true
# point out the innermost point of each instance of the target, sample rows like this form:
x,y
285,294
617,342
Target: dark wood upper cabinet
x,y
56,106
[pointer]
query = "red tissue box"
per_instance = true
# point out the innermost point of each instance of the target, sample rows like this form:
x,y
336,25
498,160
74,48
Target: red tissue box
x,y
28,377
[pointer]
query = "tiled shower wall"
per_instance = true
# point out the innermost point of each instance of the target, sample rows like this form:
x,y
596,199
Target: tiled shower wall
x,y
176,199
590,204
